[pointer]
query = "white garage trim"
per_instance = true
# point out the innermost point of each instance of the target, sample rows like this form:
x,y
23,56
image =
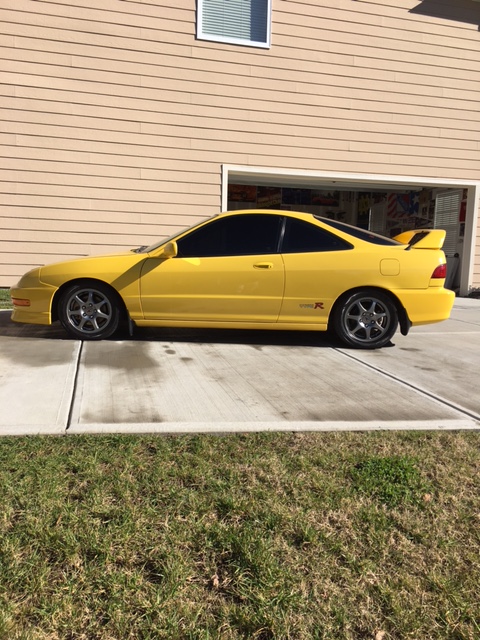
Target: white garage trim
x,y
354,181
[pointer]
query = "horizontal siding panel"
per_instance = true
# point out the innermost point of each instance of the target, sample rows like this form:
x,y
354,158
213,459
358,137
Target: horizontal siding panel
x,y
17,159
316,160
217,71
105,153
371,43
112,185
181,170
180,10
81,38
48,252
241,74
110,234
291,56
417,73
316,61
163,18
112,237
396,24
375,45
291,13
78,133
201,205
126,5
58,120
161,97
12,272
102,193
175,32
338,106
375,13
93,105
48,216
309,105
461,170
56,161
74,245
214,62
211,150
14,158
54,242
281,91
115,71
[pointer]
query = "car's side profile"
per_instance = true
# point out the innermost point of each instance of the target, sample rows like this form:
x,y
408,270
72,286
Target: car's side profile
x,y
250,269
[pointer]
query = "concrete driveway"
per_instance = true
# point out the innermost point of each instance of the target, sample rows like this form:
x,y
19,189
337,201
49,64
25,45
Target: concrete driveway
x,y
180,381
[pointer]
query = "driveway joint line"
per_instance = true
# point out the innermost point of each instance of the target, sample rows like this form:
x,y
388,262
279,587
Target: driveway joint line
x,y
418,389
74,388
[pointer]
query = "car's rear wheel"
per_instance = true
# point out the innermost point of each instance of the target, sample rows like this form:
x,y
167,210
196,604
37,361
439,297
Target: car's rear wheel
x,y
365,319
89,311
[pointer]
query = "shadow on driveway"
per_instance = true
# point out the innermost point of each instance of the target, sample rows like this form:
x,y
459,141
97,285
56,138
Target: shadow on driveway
x,y
55,331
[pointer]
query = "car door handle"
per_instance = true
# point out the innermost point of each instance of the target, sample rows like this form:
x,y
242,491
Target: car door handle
x,y
263,265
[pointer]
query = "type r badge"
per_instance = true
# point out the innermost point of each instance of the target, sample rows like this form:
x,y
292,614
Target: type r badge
x,y
317,305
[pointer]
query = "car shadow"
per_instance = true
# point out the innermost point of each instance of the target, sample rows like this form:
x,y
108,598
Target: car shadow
x,y
200,336
11,329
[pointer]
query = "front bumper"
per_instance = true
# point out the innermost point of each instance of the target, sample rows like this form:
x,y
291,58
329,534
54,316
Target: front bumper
x,y
39,296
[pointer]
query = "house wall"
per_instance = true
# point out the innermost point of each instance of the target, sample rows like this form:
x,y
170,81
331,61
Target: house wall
x,y
115,120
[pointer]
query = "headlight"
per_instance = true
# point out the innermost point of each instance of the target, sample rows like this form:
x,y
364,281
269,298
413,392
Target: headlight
x,y
30,279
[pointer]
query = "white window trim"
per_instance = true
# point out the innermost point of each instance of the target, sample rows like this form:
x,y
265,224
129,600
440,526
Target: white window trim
x,y
330,179
240,41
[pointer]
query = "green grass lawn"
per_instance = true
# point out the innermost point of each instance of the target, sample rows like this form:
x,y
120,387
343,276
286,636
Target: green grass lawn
x,y
301,536
5,301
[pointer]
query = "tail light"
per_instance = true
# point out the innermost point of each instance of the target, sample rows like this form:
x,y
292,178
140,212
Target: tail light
x,y
440,271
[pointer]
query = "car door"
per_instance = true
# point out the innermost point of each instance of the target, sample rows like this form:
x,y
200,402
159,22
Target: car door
x,y
228,270
315,262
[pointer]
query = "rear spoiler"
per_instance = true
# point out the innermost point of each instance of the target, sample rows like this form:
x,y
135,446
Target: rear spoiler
x,y
422,238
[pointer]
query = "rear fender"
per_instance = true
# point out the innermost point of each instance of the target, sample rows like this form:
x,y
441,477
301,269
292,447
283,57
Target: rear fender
x,y
403,319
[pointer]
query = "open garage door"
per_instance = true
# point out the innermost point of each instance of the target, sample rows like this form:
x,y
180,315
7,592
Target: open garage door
x,y
386,205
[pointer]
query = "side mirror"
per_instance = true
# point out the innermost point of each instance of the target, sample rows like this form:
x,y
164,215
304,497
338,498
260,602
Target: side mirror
x,y
170,250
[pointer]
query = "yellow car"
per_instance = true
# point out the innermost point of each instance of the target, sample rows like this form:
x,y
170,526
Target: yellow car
x,y
250,269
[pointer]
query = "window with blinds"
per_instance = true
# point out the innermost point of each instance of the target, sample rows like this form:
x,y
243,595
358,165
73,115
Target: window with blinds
x,y
235,21
447,208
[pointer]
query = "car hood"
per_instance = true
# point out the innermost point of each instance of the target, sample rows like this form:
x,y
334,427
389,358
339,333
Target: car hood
x,y
108,268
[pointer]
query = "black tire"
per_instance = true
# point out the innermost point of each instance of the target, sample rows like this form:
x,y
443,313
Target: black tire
x,y
89,311
366,319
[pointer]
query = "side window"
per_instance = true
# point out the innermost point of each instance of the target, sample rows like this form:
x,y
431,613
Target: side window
x,y
240,235
244,22
303,237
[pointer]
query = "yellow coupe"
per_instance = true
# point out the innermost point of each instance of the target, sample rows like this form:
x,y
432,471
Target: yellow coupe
x,y
250,269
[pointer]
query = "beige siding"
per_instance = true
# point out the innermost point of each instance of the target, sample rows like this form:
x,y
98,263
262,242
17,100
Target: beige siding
x,y
115,121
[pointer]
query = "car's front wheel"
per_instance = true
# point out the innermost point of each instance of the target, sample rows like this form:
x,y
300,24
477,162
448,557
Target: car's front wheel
x,y
365,319
89,311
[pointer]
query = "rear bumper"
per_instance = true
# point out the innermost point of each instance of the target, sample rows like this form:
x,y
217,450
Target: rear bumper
x,y
426,306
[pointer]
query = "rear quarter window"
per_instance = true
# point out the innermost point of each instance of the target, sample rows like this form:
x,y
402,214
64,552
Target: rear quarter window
x,y
361,234
303,237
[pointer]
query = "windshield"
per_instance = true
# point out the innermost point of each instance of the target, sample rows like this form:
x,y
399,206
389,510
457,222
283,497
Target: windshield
x,y
361,234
